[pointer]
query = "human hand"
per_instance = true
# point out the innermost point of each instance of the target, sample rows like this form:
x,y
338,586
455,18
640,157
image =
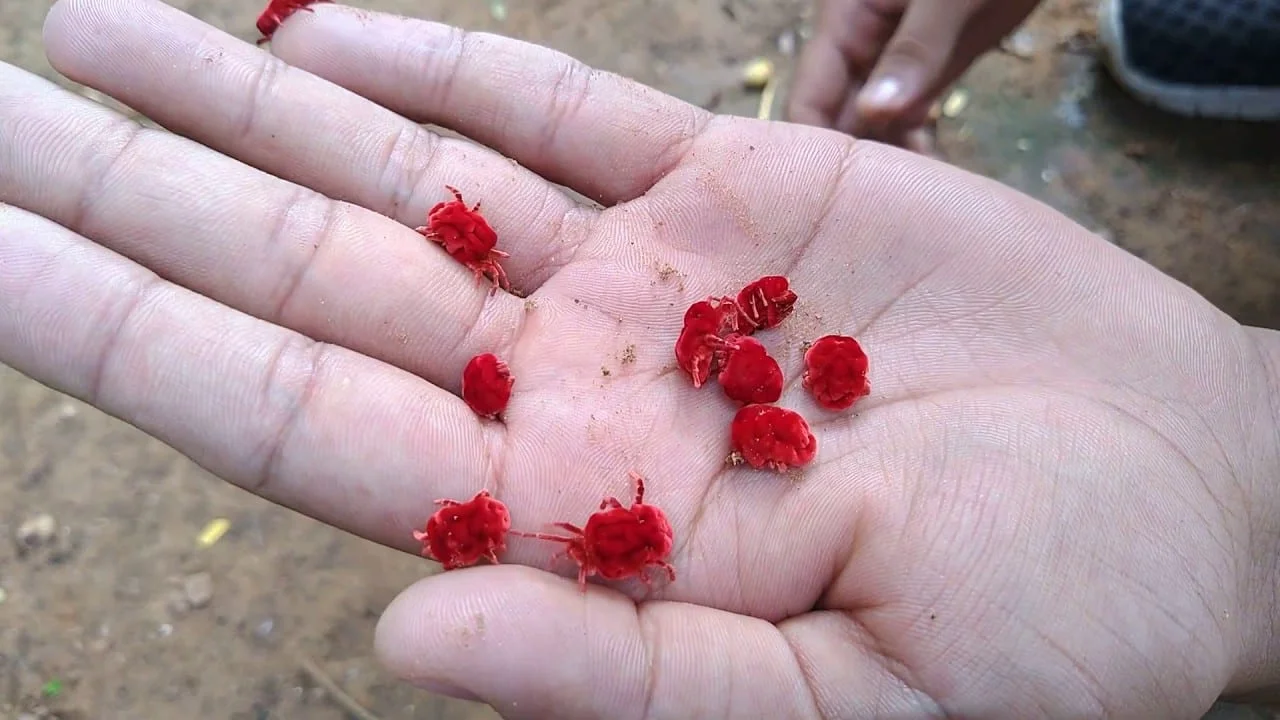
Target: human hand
x,y
873,67
1052,504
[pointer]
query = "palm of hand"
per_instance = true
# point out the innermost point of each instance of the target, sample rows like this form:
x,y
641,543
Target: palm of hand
x,y
932,555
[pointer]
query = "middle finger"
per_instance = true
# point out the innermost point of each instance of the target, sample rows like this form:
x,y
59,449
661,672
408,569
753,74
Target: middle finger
x,y
333,271
220,91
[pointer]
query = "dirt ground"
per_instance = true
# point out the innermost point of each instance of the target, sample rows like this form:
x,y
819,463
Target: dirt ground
x,y
111,608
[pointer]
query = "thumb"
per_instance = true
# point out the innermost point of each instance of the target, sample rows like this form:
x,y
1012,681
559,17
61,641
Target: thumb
x,y
913,62
531,645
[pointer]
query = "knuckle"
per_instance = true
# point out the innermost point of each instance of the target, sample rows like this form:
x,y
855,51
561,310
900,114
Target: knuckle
x,y
124,135
410,159
132,306
290,382
570,90
303,227
262,87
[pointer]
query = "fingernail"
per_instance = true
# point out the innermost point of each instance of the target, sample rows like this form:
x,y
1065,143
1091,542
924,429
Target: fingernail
x,y
883,91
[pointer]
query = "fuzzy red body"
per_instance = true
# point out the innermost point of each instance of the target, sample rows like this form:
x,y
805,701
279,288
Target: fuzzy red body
x,y
460,534
468,238
699,350
765,303
486,385
772,436
836,372
277,11
618,542
749,375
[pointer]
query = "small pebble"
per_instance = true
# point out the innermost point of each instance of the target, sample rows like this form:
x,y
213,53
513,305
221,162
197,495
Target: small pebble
x,y
1021,44
197,589
955,103
36,531
757,73
787,42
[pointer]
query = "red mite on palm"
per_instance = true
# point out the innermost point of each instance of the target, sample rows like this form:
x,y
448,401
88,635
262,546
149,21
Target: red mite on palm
x,y
468,238
765,303
460,534
706,322
486,385
618,542
748,374
773,437
277,11
836,372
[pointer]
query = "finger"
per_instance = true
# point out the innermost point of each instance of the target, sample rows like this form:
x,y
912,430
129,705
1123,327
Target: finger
x,y
822,82
331,433
235,98
533,646
833,65
329,270
602,135
913,61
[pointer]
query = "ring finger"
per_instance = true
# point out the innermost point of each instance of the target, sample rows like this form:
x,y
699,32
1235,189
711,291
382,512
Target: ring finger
x,y
280,252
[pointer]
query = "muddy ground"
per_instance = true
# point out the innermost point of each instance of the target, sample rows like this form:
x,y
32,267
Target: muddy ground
x,y
119,612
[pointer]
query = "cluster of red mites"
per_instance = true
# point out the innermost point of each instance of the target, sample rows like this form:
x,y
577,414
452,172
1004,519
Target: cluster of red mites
x,y
617,542
716,342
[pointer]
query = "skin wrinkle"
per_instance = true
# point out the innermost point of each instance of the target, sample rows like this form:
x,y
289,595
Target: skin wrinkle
x,y
802,670
262,87
565,99
292,279
582,219
445,64
312,355
1099,622
898,297
841,177
893,666
1193,467
406,167
1096,693
94,189
1189,674
648,634
147,286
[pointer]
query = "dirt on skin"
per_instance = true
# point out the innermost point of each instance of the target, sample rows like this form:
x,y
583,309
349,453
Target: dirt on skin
x,y
111,608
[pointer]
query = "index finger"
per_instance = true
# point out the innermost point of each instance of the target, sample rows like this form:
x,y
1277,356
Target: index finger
x,y
600,134
231,96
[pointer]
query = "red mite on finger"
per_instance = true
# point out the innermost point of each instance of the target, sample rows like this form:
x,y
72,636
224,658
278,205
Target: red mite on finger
x,y
460,534
486,385
773,437
277,11
618,542
836,371
468,238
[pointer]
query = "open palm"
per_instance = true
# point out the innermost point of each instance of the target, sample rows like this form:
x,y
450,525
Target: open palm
x,y
1037,483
